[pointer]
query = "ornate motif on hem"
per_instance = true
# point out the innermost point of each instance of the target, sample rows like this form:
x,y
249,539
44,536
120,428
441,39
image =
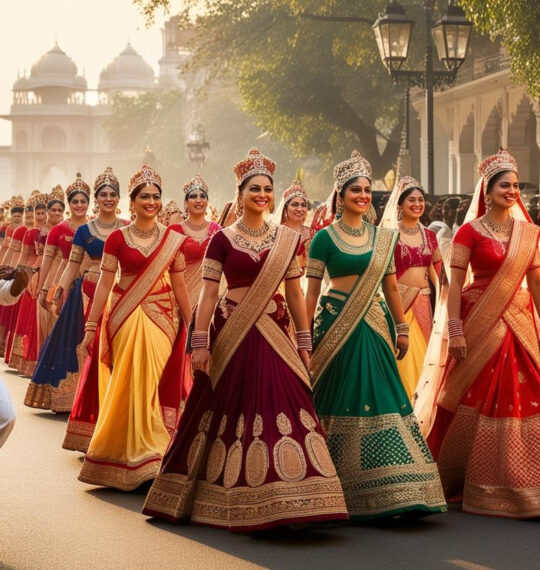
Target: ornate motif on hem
x,y
123,476
78,435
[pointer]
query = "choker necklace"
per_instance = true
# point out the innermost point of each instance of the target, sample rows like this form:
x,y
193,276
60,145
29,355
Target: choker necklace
x,y
350,231
409,231
104,226
250,231
143,234
196,227
503,228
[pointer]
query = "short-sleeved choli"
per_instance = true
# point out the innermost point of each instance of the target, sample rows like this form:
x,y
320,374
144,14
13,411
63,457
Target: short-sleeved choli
x,y
17,239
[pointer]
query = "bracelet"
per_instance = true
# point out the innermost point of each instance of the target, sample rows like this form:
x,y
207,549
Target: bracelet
x,y
58,293
303,340
199,339
90,326
455,327
402,329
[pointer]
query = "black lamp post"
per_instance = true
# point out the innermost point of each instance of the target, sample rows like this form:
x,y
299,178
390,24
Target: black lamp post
x,y
197,145
451,35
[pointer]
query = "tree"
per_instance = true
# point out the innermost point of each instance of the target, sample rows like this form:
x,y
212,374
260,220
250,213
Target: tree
x,y
312,82
515,23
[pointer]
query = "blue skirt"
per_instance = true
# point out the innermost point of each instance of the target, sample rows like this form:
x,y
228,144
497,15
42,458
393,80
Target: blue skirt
x,y
54,382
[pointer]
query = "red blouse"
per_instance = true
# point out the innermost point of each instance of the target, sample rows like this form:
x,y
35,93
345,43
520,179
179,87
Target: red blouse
x,y
194,249
474,244
407,256
61,236
17,239
120,250
240,266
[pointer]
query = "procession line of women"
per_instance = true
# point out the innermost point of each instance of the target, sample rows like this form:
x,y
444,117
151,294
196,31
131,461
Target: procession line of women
x,y
211,362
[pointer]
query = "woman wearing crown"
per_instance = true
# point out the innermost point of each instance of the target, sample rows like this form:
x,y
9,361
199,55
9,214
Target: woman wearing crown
x,y
56,375
138,331
380,456
486,432
248,453
89,241
418,263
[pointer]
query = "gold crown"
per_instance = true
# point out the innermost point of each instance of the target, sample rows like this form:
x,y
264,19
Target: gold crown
x,y
146,175
166,213
406,183
107,178
16,202
196,183
78,186
296,190
57,193
502,161
354,167
254,163
32,199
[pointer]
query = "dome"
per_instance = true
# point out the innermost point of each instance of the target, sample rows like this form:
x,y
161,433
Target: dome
x,y
127,72
21,84
55,69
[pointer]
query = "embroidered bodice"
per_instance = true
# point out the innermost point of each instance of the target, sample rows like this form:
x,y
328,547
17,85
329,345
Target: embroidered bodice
x,y
328,250
474,244
121,251
194,249
17,239
61,237
89,240
407,256
240,267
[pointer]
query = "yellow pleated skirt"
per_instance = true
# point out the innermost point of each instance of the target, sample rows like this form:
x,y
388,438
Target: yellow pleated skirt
x,y
130,437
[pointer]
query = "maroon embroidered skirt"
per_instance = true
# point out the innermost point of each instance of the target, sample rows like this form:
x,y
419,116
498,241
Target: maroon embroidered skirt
x,y
250,454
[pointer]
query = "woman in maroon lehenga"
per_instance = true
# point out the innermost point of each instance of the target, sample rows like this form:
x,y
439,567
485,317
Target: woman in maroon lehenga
x,y
249,453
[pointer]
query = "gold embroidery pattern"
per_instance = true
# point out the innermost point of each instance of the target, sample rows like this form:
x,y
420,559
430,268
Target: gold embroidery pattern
x,y
315,268
294,269
217,455
193,277
50,251
212,269
233,465
357,304
63,395
257,459
145,251
198,445
519,318
15,246
76,254
38,396
383,463
124,477
160,308
459,256
178,264
78,435
317,451
391,269
346,247
376,319
109,263
289,459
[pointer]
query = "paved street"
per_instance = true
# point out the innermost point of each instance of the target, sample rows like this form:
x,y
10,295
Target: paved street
x,y
48,519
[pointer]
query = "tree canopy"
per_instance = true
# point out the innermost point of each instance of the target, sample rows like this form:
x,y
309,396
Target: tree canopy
x,y
516,24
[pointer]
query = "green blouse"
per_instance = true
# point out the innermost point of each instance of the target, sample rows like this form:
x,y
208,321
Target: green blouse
x,y
329,251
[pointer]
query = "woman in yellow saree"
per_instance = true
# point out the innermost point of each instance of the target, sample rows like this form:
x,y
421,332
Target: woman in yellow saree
x,y
138,332
486,433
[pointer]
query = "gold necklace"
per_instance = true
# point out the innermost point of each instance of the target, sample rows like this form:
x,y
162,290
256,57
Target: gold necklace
x,y
503,228
143,234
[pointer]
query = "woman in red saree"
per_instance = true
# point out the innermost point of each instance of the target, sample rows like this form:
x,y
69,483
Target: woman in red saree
x,y
138,331
249,453
486,434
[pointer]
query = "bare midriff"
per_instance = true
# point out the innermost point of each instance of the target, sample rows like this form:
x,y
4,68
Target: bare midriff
x,y
415,277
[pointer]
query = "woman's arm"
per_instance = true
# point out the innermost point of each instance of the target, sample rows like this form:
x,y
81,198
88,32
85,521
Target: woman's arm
x,y
200,358
65,282
312,297
533,282
297,307
457,346
393,300
178,284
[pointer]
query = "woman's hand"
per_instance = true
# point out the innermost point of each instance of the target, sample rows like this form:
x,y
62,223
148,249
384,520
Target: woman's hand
x,y
457,347
86,342
402,346
42,298
200,360
59,303
305,356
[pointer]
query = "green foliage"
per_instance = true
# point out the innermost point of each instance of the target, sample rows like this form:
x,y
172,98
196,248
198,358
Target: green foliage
x,y
318,86
516,24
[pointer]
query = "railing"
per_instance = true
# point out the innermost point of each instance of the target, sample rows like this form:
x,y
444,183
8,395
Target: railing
x,y
483,66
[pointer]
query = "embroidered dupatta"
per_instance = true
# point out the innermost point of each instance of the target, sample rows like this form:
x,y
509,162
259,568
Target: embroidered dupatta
x,y
357,305
250,312
487,324
139,289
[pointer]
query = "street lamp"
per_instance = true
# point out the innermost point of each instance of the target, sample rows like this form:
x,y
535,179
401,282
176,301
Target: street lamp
x,y
451,35
197,145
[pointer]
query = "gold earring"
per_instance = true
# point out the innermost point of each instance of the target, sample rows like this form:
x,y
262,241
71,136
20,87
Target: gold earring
x,y
340,206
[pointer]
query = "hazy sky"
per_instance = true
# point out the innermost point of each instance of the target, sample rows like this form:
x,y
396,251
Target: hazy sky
x,y
91,32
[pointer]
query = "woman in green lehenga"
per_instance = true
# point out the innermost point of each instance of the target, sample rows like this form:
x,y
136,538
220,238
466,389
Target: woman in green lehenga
x,y
380,455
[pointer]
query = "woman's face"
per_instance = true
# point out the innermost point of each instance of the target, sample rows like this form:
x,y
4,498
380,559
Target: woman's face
x,y
147,202
40,215
196,202
107,199
29,218
357,196
56,213
505,191
296,210
16,217
413,206
79,205
258,194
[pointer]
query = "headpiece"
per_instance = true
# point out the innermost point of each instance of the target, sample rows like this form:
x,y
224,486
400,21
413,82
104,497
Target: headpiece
x,y
78,186
57,194
354,167
296,190
16,202
196,183
147,176
164,217
502,161
254,163
406,183
106,178
33,199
